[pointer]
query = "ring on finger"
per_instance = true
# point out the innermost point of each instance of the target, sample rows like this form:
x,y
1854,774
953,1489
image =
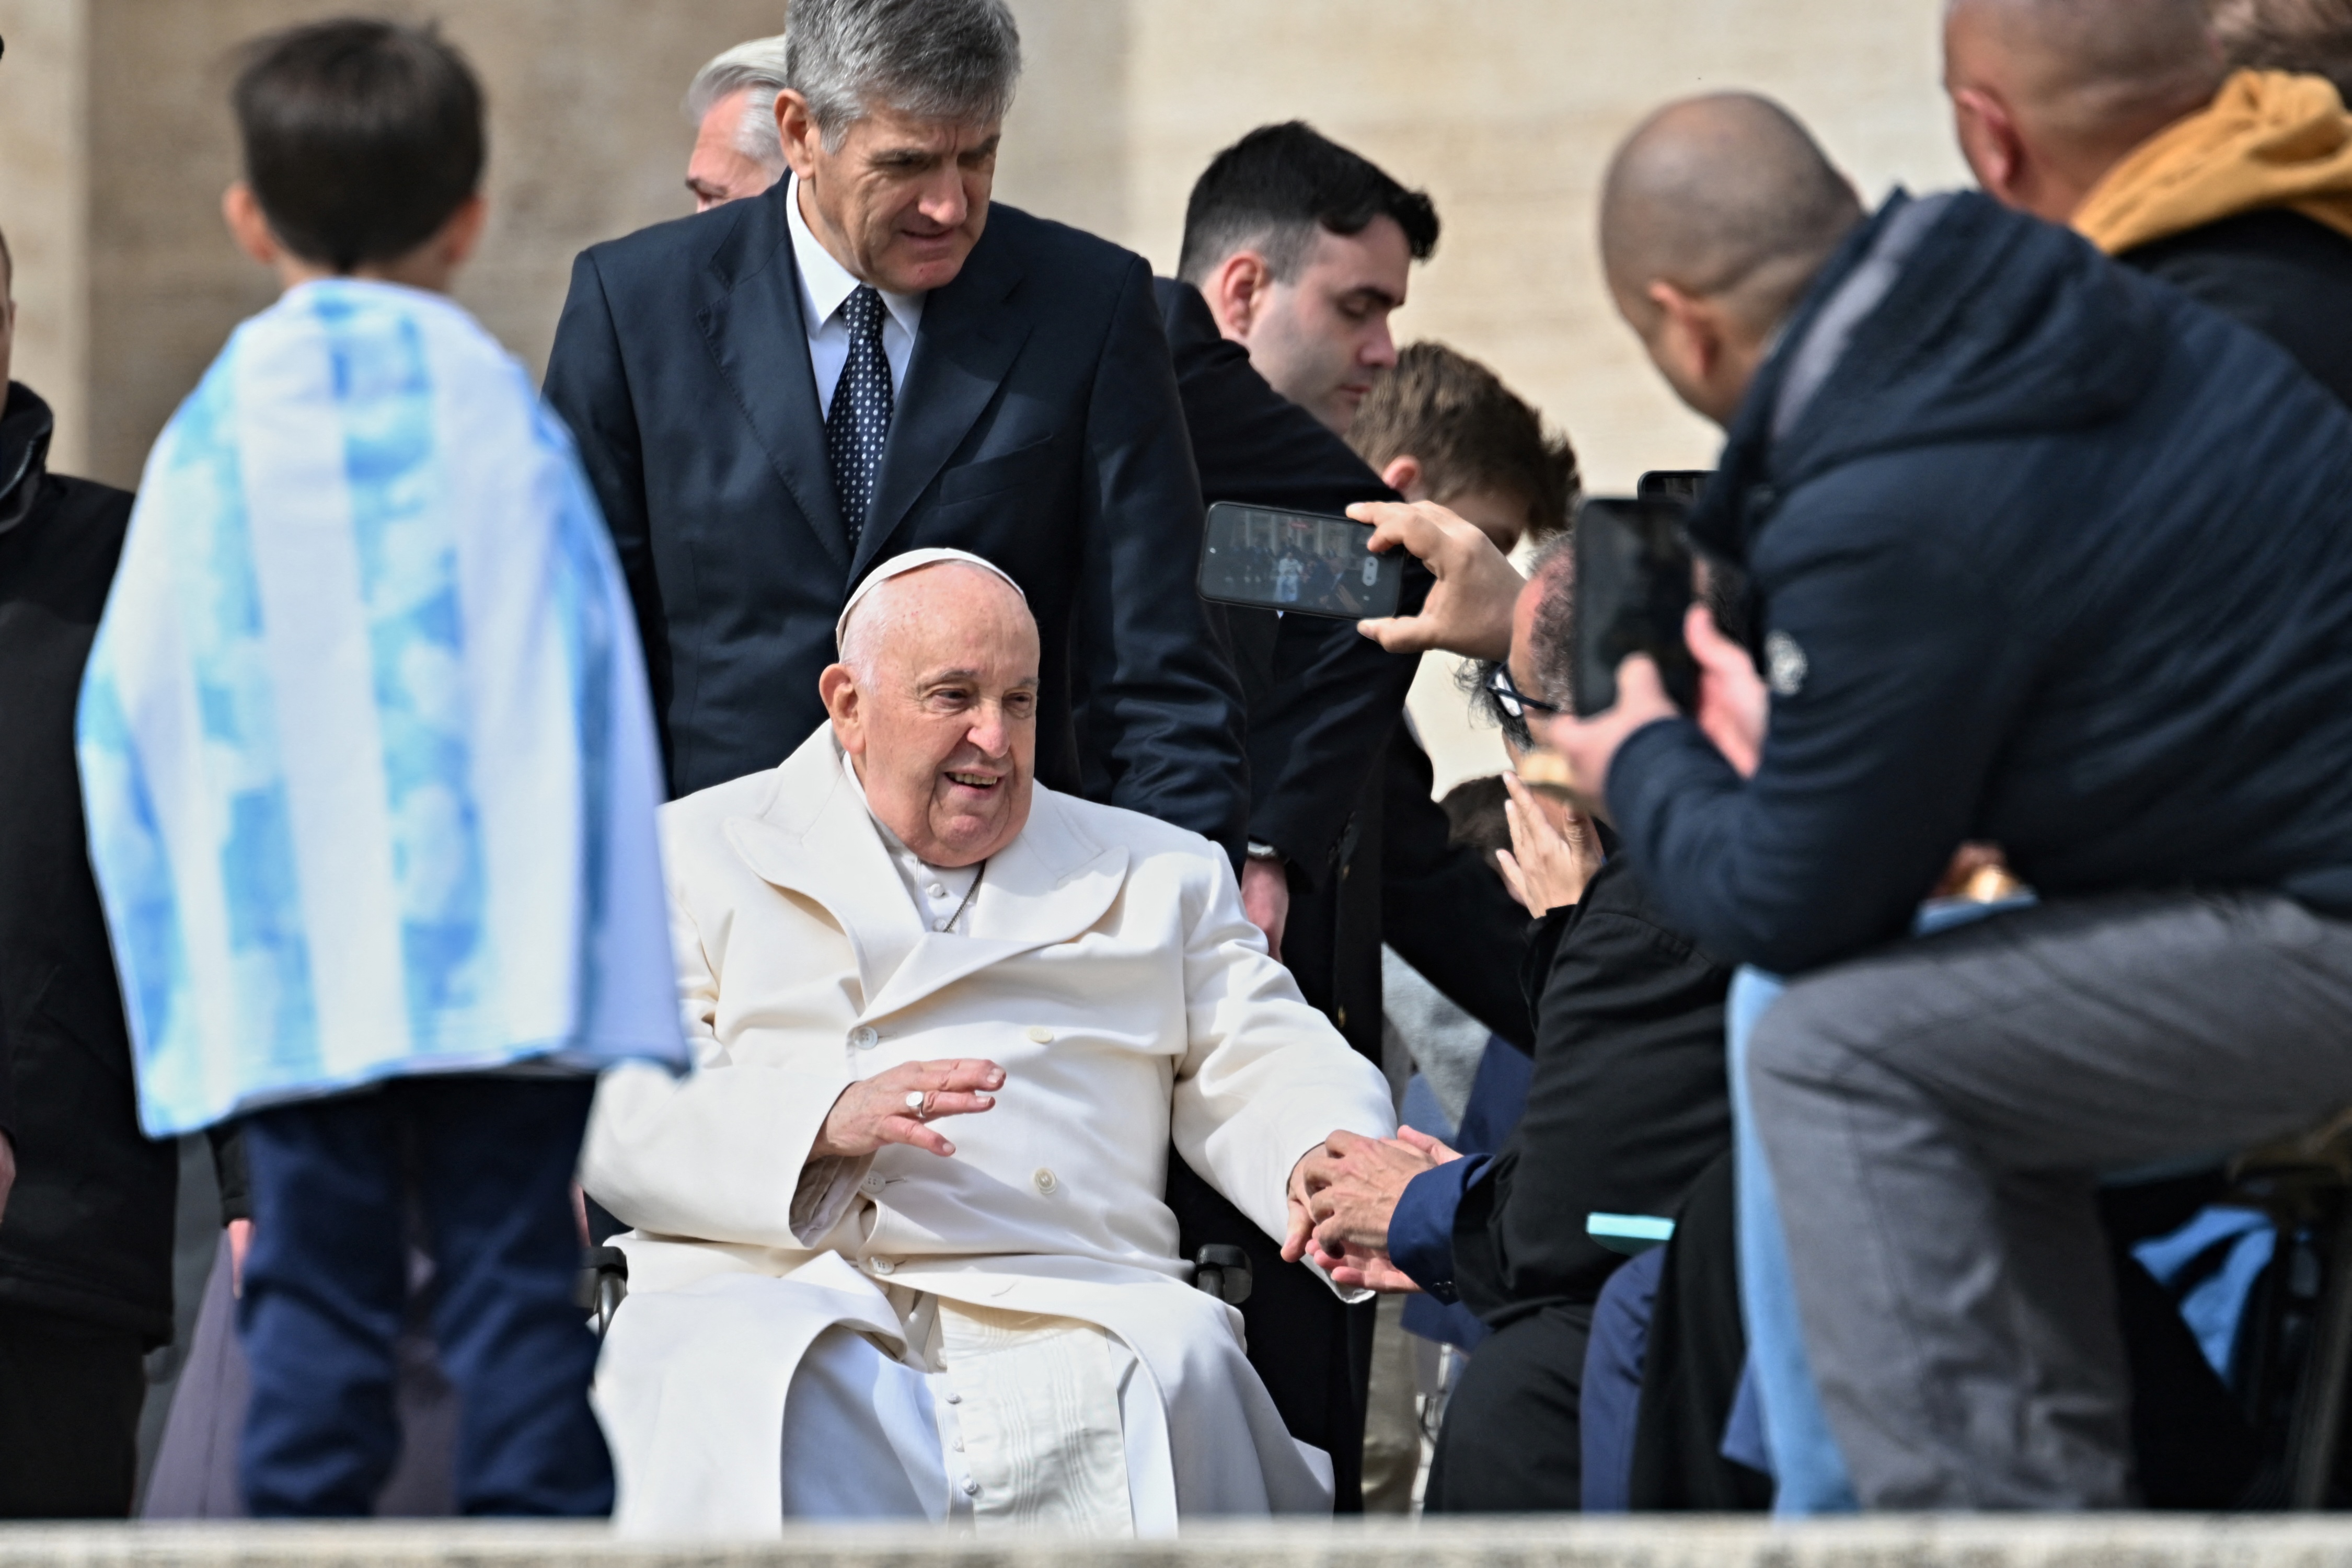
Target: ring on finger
x,y
919,1103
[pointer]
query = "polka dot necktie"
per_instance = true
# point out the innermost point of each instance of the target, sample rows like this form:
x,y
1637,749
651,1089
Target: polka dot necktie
x,y
860,416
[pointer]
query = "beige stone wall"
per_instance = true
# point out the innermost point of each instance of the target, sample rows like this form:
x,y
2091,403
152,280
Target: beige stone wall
x,y
44,211
115,143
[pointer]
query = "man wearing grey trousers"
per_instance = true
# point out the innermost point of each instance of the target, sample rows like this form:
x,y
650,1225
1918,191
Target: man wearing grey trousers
x,y
2044,555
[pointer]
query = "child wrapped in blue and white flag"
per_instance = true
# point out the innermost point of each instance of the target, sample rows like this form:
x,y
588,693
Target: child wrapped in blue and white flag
x,y
367,752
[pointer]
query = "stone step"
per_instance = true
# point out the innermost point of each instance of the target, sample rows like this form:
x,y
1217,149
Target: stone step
x,y
2110,1541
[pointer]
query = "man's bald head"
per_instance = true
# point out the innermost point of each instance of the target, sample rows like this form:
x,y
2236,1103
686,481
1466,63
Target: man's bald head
x,y
2064,89
1725,197
1716,213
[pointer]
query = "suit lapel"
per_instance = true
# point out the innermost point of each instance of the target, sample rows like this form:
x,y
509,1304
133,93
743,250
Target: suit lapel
x,y
1047,886
760,339
966,343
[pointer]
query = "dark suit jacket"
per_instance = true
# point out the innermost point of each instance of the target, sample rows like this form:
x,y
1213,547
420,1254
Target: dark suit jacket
x,y
1321,697
1038,426
1349,808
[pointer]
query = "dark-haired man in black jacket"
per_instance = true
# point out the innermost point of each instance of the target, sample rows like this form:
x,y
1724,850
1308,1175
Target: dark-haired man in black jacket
x,y
85,1236
2046,555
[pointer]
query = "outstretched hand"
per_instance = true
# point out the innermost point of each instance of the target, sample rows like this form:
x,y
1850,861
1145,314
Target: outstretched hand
x,y
1468,610
876,1110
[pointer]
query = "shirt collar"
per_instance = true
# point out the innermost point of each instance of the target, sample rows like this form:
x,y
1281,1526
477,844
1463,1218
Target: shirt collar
x,y
826,284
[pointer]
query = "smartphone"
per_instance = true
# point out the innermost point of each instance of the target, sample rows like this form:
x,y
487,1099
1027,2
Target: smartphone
x,y
1673,484
1633,590
1297,561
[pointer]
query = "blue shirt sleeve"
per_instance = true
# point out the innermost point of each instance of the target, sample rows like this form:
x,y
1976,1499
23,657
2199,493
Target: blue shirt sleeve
x,y
1421,1227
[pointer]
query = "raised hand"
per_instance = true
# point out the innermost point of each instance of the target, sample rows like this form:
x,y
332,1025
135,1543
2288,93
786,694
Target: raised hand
x,y
1469,608
1553,852
896,1107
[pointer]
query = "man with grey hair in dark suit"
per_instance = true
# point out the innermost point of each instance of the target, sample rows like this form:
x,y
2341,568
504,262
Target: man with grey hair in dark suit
x,y
872,358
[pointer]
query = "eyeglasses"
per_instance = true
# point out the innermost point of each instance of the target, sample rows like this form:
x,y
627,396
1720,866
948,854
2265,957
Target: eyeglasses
x,y
1515,703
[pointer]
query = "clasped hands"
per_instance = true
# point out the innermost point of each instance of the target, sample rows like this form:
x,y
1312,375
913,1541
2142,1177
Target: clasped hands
x,y
1341,1196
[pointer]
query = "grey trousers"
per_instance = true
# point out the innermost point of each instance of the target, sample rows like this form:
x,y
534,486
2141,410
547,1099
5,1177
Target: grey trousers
x,y
1938,1114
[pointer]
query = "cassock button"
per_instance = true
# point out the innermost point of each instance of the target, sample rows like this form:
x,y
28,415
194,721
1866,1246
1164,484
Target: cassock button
x,y
1039,1034
881,1266
936,890
872,1183
954,1399
941,923
971,1486
1047,1181
864,1037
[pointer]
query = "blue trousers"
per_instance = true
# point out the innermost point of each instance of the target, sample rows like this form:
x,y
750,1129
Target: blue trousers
x,y
485,1165
1809,1473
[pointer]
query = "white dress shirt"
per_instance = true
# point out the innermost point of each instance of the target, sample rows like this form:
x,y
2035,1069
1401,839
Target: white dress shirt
x,y
825,286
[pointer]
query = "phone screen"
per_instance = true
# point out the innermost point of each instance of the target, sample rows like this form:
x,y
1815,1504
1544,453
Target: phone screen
x,y
1296,560
1633,590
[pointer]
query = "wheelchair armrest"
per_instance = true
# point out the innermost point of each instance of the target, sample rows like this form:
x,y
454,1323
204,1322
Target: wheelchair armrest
x,y
1223,1271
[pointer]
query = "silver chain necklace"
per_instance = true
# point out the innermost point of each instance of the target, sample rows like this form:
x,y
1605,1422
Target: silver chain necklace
x,y
969,893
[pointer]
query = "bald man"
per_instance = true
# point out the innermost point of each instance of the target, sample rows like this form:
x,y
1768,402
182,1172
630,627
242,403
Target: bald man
x,y
2041,553
900,1250
2119,117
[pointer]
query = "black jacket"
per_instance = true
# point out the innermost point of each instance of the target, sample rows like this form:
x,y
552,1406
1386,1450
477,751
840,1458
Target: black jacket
x,y
2286,276
1626,1105
88,1231
2052,557
1320,696
1038,427
1335,783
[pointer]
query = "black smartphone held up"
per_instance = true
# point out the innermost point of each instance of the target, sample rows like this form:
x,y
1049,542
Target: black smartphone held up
x,y
1673,484
1296,560
1633,590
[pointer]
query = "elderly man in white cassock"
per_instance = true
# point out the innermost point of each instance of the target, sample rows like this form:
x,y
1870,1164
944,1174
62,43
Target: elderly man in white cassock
x,y
843,1303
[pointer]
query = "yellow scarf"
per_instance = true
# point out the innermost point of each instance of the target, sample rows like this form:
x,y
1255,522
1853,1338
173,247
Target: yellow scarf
x,y
2269,139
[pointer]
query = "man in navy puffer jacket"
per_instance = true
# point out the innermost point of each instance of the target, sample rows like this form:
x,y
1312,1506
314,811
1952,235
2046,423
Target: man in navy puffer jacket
x,y
2042,553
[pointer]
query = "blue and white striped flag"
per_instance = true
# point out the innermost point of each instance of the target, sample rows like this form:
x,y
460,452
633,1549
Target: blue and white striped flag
x,y
365,743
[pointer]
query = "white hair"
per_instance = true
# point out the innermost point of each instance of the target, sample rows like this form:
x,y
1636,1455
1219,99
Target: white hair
x,y
942,59
758,66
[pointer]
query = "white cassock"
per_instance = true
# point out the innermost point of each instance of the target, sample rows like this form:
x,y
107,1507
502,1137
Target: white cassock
x,y
1007,1335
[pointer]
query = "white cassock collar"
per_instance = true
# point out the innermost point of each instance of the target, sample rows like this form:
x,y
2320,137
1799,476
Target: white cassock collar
x,y
942,894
